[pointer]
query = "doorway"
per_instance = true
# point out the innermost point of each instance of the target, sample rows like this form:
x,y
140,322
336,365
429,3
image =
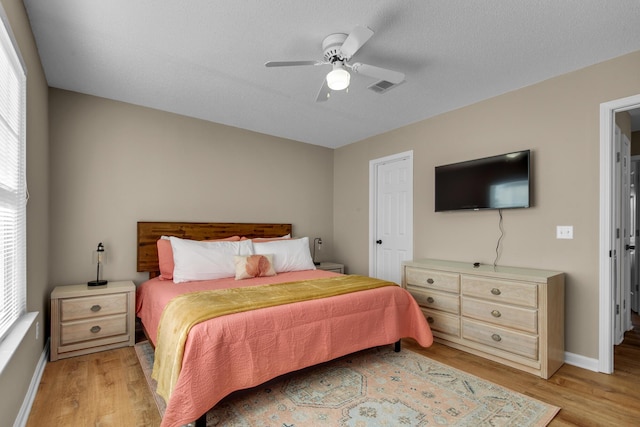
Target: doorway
x,y
609,233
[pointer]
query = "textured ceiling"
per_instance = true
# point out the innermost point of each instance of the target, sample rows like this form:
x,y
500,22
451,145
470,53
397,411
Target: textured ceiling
x,y
205,58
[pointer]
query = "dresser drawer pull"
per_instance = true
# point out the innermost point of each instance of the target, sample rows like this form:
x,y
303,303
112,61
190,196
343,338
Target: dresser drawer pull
x,y
496,313
430,300
95,329
496,337
430,281
495,291
96,308
430,320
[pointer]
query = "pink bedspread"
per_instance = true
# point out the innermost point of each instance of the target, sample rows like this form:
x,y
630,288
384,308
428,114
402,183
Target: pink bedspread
x,y
246,349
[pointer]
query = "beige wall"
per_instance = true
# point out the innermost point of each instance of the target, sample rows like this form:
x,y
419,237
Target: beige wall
x,y
559,121
113,164
15,379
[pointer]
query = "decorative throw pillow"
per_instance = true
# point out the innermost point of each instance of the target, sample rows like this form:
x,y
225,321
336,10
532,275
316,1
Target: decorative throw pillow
x,y
251,266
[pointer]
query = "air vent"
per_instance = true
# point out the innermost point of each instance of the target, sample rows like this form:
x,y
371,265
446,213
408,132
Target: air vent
x,y
382,86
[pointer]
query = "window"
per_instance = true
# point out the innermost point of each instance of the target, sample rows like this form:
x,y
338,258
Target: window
x,y
13,187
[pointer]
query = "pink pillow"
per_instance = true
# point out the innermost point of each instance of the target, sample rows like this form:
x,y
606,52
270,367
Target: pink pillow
x,y
165,256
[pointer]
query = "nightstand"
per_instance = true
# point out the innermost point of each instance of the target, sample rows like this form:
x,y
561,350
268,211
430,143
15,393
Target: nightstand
x,y
331,266
86,319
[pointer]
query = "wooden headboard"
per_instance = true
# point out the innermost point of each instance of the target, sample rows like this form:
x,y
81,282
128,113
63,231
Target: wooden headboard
x,y
150,232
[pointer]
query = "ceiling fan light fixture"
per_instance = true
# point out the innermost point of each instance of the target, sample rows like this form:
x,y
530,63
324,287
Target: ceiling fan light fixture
x,y
338,78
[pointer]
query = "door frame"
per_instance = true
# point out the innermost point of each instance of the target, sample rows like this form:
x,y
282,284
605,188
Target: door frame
x,y
608,111
373,203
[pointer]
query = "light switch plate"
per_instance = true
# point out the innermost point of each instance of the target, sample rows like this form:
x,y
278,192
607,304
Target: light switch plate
x,y
564,232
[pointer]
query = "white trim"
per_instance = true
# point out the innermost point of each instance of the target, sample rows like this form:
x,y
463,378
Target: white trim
x,y
581,361
11,342
30,397
373,185
607,124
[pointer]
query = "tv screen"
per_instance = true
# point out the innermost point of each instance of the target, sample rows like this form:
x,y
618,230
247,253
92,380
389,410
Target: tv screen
x,y
497,182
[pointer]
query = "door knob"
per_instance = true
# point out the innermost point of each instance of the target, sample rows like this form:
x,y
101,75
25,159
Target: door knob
x,y
379,242
627,247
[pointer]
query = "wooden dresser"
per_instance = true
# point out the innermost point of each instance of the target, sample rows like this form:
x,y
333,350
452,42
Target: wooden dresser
x,y
86,319
513,316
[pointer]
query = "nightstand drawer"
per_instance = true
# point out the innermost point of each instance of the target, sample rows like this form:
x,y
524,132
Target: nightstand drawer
x,y
91,329
447,282
93,306
331,266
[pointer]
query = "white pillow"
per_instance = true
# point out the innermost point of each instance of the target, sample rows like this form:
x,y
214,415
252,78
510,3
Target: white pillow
x,y
195,260
288,255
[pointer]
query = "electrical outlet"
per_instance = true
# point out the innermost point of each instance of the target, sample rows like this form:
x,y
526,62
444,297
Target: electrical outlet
x,y
564,232
37,330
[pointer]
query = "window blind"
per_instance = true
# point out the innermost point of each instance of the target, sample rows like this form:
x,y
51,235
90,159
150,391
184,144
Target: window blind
x,y
13,200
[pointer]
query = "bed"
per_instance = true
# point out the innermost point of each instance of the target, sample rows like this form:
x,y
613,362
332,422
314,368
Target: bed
x,y
246,348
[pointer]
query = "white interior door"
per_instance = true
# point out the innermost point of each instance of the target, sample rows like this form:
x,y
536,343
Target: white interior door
x,y
627,248
617,328
621,253
392,217
635,253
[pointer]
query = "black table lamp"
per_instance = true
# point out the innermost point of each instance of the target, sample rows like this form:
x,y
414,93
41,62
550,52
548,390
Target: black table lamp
x,y
319,241
100,258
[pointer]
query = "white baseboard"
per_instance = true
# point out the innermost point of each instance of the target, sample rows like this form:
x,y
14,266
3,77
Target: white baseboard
x,y
581,361
30,397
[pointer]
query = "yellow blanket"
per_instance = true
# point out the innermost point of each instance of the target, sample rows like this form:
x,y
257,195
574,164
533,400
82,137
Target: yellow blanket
x,y
185,311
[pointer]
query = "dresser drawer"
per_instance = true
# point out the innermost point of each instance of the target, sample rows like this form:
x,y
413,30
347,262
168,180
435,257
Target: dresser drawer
x,y
511,341
436,300
508,292
448,282
508,316
92,306
443,322
91,329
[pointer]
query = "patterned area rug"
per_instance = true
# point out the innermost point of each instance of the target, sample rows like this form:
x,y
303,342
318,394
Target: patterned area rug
x,y
375,387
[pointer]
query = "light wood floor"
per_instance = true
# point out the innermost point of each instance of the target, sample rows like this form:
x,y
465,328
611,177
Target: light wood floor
x,y
108,389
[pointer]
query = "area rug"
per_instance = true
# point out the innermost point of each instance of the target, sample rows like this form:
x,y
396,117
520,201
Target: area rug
x,y
375,387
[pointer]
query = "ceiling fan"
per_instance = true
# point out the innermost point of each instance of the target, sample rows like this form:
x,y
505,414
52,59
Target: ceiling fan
x,y
338,50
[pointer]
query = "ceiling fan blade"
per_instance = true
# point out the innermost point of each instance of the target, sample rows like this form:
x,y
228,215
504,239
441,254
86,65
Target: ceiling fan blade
x,y
355,40
324,93
291,63
391,76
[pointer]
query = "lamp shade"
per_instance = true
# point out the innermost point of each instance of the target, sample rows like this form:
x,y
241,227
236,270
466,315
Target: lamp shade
x,y
338,78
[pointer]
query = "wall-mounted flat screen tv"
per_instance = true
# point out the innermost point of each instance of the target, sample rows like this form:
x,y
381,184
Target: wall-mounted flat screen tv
x,y
497,182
